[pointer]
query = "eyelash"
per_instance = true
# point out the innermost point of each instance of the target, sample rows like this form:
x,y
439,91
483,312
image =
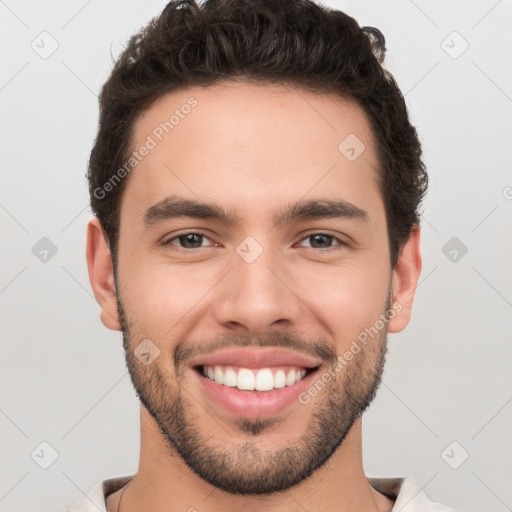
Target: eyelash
x,y
340,242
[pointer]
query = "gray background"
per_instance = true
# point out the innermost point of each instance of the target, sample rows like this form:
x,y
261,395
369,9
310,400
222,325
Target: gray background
x,y
63,378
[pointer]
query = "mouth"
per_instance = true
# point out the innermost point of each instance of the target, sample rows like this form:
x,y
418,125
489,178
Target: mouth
x,y
253,393
257,380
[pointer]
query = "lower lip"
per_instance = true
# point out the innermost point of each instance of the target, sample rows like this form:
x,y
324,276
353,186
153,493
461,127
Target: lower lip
x,y
253,404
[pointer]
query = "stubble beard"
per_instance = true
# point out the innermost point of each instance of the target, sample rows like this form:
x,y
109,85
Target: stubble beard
x,y
245,468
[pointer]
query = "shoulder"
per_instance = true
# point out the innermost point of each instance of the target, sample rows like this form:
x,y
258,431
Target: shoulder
x,y
96,500
407,494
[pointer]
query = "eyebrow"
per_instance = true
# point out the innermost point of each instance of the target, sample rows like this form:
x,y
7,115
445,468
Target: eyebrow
x,y
175,207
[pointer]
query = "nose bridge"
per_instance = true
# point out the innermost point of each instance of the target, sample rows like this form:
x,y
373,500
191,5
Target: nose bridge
x,y
256,296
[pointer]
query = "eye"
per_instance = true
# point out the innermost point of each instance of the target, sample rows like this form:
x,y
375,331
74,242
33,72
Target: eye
x,y
190,241
321,241
196,240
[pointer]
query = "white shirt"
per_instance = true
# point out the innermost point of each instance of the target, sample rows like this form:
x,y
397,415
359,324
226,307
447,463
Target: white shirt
x,y
407,494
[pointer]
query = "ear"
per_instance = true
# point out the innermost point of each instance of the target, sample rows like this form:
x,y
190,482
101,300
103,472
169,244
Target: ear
x,y
404,281
101,274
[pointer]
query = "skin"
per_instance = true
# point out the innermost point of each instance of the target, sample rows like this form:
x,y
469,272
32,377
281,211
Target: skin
x,y
253,149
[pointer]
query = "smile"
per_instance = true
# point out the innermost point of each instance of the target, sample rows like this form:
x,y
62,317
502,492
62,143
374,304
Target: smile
x,y
254,379
253,393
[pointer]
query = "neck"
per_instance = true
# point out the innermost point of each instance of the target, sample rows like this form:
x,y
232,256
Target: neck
x,y
165,483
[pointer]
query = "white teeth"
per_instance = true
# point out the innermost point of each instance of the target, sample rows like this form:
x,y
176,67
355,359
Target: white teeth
x,y
230,378
280,379
218,375
245,379
251,379
264,380
290,378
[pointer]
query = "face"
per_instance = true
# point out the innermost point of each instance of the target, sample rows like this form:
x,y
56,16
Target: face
x,y
253,251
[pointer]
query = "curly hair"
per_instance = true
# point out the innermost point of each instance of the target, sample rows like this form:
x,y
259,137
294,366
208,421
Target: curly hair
x,y
296,42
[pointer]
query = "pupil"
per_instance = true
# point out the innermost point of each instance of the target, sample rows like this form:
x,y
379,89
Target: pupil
x,y
191,240
321,240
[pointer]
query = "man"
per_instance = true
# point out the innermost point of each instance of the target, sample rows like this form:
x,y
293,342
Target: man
x,y
256,185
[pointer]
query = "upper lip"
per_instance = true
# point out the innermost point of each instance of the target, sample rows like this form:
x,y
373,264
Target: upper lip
x,y
256,358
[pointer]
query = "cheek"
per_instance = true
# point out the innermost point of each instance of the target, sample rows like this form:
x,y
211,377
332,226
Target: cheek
x,y
161,298
348,299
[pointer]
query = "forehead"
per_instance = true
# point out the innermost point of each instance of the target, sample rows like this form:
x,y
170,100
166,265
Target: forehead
x,y
253,146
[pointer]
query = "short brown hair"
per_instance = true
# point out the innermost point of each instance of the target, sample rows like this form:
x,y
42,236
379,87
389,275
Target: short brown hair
x,y
296,42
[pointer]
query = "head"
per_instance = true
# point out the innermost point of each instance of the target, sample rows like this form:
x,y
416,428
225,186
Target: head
x,y
256,183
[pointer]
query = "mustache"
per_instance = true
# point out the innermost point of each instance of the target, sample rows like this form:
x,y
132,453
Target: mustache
x,y
318,348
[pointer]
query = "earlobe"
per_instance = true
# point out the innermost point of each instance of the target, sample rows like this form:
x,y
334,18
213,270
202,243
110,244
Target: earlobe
x,y
404,282
101,274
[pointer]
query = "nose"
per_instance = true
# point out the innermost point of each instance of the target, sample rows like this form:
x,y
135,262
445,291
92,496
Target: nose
x,y
256,297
